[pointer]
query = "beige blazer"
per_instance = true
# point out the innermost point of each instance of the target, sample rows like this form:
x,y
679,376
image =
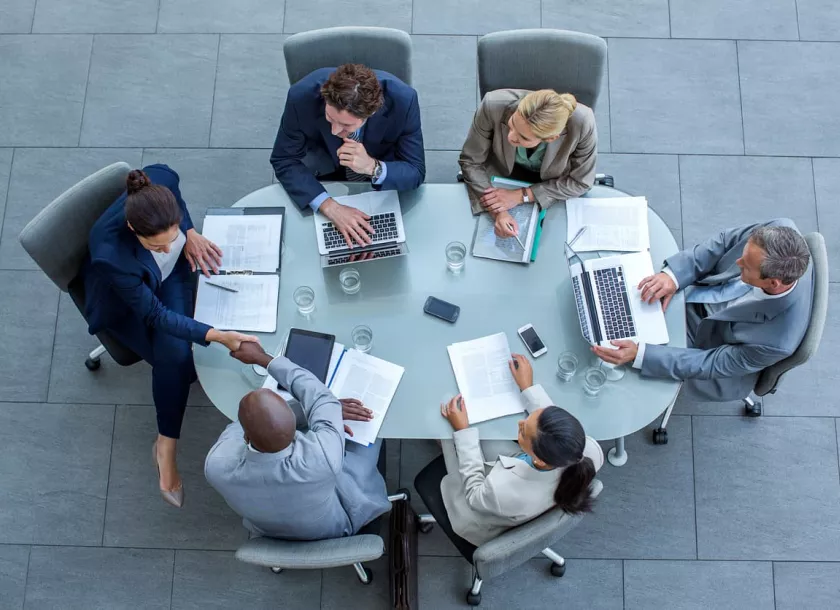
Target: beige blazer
x,y
568,167
485,498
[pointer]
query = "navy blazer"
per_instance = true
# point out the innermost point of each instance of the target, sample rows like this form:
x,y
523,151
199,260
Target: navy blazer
x,y
121,276
392,135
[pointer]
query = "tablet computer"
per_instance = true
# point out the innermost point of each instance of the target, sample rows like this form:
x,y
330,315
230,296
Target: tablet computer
x,y
311,351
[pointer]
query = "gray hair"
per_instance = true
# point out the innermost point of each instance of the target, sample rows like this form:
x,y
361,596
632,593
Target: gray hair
x,y
786,253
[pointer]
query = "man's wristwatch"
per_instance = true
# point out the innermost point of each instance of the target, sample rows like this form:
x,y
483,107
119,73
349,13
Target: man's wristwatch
x,y
525,198
377,171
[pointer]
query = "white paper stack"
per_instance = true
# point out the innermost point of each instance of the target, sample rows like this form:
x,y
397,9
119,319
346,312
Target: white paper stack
x,y
612,223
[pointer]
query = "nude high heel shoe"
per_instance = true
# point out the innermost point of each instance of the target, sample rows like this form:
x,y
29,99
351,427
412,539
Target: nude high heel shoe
x,y
175,497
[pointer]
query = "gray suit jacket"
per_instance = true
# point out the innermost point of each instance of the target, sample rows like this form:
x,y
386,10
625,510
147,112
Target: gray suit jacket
x,y
568,167
732,346
309,491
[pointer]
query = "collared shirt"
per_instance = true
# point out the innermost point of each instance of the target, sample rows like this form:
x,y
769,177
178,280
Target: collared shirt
x,y
533,162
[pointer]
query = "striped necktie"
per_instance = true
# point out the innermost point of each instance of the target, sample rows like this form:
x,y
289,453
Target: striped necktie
x,y
351,175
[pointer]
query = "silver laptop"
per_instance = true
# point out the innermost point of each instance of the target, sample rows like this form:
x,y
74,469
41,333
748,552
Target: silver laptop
x,y
608,302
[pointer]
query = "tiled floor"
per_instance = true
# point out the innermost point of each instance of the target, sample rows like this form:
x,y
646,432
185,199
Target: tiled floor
x,y
721,112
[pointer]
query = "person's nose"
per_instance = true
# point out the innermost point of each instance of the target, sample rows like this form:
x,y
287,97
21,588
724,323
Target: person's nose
x,y
166,249
336,130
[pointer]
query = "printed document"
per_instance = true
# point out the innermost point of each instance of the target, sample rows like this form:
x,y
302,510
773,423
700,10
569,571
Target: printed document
x,y
487,244
248,243
616,223
252,308
484,378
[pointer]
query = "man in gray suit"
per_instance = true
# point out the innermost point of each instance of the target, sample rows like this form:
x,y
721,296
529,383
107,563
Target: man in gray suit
x,y
748,295
290,484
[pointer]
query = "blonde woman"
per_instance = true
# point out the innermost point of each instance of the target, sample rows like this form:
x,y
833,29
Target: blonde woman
x,y
542,137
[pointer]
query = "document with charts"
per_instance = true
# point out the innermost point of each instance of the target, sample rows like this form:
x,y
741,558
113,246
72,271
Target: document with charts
x,y
486,244
249,242
612,223
484,378
252,308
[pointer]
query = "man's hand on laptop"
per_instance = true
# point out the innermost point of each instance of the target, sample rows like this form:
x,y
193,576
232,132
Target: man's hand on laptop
x,y
506,225
626,352
350,222
354,410
659,286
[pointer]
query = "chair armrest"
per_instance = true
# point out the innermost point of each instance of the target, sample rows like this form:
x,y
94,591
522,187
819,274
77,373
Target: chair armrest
x,y
314,555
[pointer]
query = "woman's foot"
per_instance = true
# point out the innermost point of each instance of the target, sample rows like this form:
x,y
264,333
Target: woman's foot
x,y
163,454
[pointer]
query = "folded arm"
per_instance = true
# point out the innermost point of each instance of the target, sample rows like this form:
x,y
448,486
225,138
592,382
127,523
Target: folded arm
x,y
474,154
287,159
408,171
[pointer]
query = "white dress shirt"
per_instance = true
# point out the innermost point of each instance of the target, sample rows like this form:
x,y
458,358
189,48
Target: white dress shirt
x,y
166,260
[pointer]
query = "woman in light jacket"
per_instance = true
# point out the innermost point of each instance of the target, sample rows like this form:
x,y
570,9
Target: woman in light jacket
x,y
495,485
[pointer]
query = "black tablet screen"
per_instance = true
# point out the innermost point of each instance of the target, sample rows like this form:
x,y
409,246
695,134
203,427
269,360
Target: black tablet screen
x,y
310,350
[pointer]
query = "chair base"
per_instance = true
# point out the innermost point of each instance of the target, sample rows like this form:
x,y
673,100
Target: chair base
x,y
660,436
94,361
752,408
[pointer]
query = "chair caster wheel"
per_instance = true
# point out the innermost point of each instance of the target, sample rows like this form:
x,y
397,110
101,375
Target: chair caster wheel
x,y
276,570
473,599
369,575
558,570
752,410
425,528
660,436
92,365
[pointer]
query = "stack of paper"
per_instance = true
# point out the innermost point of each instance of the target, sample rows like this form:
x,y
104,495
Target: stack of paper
x,y
616,223
484,378
248,243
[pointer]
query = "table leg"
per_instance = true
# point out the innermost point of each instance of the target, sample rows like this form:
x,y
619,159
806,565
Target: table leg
x,y
617,456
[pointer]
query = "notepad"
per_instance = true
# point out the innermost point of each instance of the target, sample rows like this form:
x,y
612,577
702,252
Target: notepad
x,y
614,223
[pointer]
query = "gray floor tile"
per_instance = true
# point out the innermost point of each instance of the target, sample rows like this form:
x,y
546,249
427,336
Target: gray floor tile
x,y
767,488
28,307
744,19
625,18
393,448
473,16
686,406
445,79
646,510
262,83
827,186
150,90
137,516
199,16
16,16
769,72
43,89
5,174
341,589
14,561
818,19
662,93
303,16
806,586
93,16
445,582
212,579
690,585
656,177
214,178
35,183
720,192
54,472
442,166
63,578
602,114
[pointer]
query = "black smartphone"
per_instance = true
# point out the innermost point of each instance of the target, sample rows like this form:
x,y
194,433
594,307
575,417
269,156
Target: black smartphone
x,y
441,309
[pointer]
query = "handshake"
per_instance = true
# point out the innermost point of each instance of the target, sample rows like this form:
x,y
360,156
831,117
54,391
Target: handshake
x,y
245,348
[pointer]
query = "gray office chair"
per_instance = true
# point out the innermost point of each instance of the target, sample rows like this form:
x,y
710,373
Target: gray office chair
x,y
768,380
355,550
57,240
378,48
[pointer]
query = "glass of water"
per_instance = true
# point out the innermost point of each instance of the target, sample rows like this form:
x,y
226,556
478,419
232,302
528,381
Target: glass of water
x,y
456,252
349,280
305,300
613,372
362,337
593,380
566,366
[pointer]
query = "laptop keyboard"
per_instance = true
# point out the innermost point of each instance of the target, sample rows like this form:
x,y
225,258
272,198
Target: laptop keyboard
x,y
385,226
359,256
615,306
584,324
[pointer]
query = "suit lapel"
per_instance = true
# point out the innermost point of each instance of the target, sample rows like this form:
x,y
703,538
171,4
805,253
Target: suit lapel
x,y
551,150
376,126
145,257
508,151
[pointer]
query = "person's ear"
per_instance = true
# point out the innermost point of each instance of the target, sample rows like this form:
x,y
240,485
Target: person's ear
x,y
539,463
551,139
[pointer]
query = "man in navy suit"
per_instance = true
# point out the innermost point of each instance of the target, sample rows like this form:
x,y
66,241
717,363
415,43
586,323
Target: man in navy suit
x,y
349,123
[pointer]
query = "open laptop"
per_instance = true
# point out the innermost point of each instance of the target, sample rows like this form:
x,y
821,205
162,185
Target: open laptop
x,y
608,302
383,207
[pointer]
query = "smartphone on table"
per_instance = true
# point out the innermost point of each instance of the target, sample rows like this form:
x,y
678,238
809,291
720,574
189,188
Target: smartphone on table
x,y
532,340
442,309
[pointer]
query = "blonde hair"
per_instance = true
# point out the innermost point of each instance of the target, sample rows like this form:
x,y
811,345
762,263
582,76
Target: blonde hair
x,y
547,111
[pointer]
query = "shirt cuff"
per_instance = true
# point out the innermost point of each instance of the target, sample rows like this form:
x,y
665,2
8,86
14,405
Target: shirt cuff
x,y
640,356
318,200
382,175
667,271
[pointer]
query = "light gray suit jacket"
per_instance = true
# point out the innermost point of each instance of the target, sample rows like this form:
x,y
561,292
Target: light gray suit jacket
x,y
733,345
568,167
311,490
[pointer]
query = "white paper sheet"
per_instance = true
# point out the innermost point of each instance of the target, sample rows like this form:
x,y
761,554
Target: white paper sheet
x,y
249,242
488,245
484,378
252,309
616,223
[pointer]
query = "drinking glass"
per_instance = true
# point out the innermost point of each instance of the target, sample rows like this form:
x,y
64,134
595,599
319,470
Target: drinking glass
x,y
305,300
613,372
566,366
349,280
593,380
456,252
362,337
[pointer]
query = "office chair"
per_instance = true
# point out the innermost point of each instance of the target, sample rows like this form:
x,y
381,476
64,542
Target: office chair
x,y
768,379
507,551
57,240
378,48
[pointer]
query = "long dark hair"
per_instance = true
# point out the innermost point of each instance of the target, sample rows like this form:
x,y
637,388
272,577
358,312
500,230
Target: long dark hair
x,y
560,442
150,208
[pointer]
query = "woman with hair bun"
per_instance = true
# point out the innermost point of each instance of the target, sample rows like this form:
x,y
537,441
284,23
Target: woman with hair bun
x,y
545,138
139,279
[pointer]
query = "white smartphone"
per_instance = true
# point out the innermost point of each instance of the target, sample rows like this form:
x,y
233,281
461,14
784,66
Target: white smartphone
x,y
532,340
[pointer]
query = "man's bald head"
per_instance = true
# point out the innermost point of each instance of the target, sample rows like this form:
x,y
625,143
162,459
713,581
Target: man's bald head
x,y
268,421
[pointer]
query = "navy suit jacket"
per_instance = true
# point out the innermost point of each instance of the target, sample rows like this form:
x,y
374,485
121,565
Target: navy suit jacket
x,y
392,135
122,277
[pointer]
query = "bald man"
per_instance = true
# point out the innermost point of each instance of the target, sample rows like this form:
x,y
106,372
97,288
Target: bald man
x,y
292,484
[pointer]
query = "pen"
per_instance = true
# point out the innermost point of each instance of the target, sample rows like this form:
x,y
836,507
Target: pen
x,y
519,241
228,288
577,235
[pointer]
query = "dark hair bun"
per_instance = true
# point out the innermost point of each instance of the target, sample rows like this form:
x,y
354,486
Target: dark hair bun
x,y
137,179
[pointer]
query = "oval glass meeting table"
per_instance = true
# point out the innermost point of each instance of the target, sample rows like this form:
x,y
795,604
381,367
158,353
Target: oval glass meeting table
x,y
494,296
